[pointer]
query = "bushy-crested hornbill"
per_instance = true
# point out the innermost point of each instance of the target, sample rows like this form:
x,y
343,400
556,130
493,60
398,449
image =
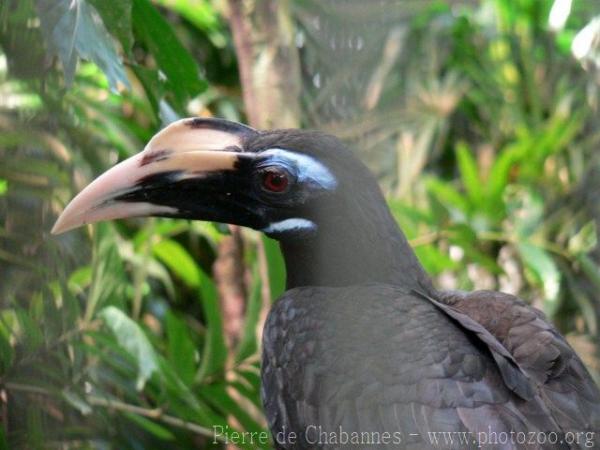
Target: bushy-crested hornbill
x,y
361,350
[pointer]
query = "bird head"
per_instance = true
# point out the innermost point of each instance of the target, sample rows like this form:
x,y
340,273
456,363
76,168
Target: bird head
x,y
303,188
217,170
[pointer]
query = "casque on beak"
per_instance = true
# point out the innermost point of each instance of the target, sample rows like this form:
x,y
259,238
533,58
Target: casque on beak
x,y
187,150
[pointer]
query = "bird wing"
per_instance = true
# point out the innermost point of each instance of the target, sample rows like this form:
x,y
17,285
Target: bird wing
x,y
377,359
539,351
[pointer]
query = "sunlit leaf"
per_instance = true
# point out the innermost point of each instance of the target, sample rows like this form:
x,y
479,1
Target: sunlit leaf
x,y
200,12
80,279
178,260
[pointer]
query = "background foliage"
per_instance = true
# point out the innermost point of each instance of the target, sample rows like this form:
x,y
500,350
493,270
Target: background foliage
x,y
479,117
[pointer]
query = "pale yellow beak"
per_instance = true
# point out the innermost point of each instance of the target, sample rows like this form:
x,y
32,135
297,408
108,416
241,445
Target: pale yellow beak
x,y
188,147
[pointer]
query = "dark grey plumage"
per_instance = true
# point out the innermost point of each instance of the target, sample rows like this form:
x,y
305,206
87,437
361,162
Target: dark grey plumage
x,y
379,358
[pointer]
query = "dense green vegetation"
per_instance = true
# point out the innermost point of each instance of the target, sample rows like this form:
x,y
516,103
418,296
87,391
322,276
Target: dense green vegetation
x,y
483,131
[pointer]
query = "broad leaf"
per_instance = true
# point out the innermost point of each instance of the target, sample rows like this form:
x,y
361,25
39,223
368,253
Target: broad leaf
x,y
74,29
175,62
172,254
117,18
132,338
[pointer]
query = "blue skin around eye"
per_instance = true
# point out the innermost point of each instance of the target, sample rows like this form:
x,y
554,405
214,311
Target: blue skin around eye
x,y
308,171
306,168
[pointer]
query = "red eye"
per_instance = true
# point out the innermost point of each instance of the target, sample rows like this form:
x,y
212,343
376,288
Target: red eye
x,y
275,180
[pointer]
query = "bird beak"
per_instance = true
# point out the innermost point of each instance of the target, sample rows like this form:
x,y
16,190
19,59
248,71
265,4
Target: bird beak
x,y
189,149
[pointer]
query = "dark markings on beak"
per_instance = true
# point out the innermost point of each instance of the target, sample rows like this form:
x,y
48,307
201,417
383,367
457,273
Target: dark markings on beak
x,y
244,162
156,180
233,149
159,155
198,123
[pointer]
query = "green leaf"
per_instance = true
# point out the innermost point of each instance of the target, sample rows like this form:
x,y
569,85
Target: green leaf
x,y
31,333
7,354
74,29
201,13
80,279
132,338
500,171
3,186
434,260
248,344
275,267
181,348
543,267
3,440
117,18
153,86
175,62
108,275
172,254
590,268
585,240
152,427
215,350
449,197
469,173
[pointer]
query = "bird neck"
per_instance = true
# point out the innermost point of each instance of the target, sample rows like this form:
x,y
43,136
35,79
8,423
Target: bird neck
x,y
357,241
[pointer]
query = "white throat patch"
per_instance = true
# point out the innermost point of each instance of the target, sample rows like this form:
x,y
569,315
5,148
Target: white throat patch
x,y
289,225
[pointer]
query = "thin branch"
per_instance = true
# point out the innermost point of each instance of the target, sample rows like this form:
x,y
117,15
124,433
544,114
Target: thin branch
x,y
155,414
